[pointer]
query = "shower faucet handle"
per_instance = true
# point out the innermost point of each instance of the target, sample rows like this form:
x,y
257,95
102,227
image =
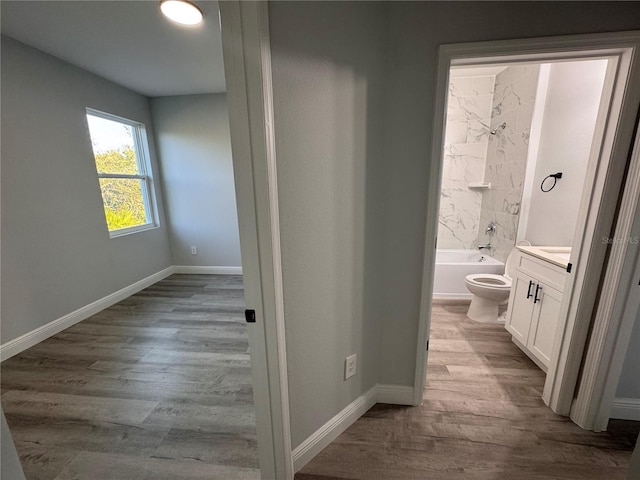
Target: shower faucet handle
x,y
491,229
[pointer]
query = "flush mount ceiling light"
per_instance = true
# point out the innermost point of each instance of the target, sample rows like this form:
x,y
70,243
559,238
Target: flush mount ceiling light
x,y
182,12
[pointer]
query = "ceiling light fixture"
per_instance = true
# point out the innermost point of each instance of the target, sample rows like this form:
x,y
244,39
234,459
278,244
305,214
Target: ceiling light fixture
x,y
182,12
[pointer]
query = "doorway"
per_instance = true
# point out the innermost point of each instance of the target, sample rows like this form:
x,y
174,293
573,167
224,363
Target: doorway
x,y
254,282
561,350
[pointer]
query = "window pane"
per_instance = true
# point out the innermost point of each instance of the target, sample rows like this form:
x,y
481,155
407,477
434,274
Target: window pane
x,y
123,200
113,146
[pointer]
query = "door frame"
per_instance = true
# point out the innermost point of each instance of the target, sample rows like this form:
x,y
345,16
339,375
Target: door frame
x,y
617,310
617,129
247,61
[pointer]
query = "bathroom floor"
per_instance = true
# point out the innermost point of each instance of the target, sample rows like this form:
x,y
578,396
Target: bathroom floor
x,y
482,418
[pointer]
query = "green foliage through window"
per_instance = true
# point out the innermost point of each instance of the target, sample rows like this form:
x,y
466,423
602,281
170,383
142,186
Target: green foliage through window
x,y
122,160
122,178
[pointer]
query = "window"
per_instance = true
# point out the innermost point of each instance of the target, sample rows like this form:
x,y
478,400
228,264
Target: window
x,y
122,162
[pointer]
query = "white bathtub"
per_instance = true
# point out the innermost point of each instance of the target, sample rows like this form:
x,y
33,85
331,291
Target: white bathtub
x,y
452,266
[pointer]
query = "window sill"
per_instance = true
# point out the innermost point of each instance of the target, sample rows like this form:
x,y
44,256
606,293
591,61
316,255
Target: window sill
x,y
131,230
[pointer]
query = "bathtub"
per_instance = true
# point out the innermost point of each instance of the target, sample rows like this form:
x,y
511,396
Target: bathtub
x,y
452,266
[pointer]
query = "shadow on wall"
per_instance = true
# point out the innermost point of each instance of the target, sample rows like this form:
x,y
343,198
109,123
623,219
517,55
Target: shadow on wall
x,y
573,96
329,82
194,147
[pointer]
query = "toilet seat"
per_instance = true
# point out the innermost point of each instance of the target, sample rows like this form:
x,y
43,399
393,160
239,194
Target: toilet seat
x,y
489,280
490,291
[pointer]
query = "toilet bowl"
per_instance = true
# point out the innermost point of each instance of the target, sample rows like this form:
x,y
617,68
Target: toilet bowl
x,y
489,292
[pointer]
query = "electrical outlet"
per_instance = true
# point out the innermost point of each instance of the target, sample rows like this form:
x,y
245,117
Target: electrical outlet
x,y
194,250
350,366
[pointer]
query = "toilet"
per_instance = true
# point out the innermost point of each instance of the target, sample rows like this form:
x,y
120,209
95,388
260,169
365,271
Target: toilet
x,y
489,291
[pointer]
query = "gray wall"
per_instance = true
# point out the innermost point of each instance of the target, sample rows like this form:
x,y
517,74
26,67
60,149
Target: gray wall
x,y
353,204
328,85
194,149
416,30
570,112
56,252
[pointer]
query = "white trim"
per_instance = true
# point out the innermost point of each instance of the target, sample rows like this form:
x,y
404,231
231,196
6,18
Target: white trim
x,y
443,297
247,58
206,270
122,232
577,304
626,409
114,118
595,219
143,160
395,394
454,300
431,228
328,432
276,334
470,72
29,339
616,313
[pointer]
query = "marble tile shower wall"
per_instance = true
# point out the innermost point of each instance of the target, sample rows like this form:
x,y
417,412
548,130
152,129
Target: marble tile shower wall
x,y
513,102
469,109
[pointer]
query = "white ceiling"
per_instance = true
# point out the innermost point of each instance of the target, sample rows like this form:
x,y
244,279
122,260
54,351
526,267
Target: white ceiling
x,y
127,42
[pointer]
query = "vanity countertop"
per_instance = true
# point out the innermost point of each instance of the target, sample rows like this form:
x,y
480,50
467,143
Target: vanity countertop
x,y
556,255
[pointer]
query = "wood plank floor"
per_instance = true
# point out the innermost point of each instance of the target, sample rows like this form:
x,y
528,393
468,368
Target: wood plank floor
x,y
156,387
482,419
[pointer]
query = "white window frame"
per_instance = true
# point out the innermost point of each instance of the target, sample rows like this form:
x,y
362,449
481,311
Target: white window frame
x,y
141,148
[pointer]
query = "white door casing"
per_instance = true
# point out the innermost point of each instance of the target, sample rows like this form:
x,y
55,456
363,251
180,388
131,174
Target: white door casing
x,y
614,134
247,60
617,311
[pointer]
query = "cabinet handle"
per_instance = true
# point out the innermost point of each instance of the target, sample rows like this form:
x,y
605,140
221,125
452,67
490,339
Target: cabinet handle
x,y
529,289
536,299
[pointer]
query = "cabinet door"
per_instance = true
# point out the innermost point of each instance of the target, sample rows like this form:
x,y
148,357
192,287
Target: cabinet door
x,y
520,308
544,323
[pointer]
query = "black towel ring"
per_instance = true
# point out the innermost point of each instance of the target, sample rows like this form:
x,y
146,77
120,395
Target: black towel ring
x,y
555,177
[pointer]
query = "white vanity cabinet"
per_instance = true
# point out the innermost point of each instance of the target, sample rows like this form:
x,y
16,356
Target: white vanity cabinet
x,y
534,306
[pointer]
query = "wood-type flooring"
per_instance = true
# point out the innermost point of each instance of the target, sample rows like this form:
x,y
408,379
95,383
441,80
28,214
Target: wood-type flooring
x,y
156,387
482,419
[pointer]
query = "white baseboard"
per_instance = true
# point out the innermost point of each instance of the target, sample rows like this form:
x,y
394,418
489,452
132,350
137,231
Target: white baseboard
x,y
334,427
452,296
395,394
626,409
29,339
312,446
448,300
196,270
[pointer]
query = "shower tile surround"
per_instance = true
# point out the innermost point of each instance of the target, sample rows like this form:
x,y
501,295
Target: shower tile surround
x,y
475,106
513,102
469,107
